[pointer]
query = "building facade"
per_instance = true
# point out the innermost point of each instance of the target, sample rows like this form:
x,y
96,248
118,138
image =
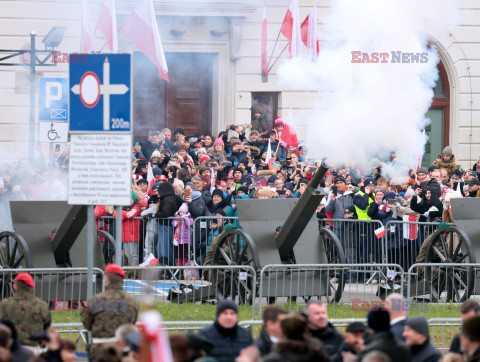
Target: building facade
x,y
213,54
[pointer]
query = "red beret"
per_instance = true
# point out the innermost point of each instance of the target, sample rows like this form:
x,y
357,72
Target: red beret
x,y
26,278
115,269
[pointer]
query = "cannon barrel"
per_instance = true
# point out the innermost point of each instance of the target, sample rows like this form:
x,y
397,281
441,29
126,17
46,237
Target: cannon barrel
x,y
301,214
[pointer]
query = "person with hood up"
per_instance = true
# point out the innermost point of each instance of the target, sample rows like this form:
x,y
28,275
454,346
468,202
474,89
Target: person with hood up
x,y
446,160
131,230
427,203
225,335
297,345
167,206
218,202
182,236
417,338
380,338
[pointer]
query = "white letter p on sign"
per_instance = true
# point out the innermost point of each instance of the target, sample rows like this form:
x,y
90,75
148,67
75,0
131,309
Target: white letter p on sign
x,y
49,97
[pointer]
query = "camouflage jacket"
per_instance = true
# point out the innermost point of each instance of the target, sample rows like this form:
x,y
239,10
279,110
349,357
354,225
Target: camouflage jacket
x,y
108,310
28,313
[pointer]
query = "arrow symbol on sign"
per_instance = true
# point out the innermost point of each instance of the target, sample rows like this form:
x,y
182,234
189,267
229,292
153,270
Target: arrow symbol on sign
x,y
106,89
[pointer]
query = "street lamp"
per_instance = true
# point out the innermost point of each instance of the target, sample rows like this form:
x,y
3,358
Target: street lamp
x,y
52,40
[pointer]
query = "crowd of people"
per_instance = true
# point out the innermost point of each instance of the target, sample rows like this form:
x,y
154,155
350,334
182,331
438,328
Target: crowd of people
x,y
117,335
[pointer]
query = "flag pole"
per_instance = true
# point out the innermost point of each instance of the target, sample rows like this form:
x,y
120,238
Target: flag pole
x,y
276,59
274,46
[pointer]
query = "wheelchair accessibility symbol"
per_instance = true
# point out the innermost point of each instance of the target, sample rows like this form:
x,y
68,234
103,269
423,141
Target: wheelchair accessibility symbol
x,y
52,133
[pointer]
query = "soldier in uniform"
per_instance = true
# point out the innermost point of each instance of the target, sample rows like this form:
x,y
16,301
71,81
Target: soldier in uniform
x,y
27,312
109,310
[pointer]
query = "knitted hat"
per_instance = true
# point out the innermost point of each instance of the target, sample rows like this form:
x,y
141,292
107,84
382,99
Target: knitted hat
x,y
224,305
355,327
422,170
204,158
218,193
288,185
183,208
379,320
243,189
157,171
219,141
156,153
339,179
155,186
279,122
471,328
419,324
409,193
447,151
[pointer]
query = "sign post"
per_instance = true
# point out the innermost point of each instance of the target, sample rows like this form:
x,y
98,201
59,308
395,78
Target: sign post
x,y
101,140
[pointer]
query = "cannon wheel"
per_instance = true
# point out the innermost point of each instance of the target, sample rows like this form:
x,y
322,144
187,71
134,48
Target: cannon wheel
x,y
450,245
334,255
108,246
14,251
234,247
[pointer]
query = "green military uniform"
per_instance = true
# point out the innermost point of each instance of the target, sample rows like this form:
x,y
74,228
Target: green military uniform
x,y
105,313
28,313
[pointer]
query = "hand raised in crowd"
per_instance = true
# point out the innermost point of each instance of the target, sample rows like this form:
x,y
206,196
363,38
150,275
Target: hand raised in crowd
x,y
418,191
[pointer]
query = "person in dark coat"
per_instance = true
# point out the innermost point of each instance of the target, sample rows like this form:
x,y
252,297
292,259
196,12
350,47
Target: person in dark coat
x,y
226,336
470,339
321,329
397,307
417,338
353,340
271,331
297,345
381,339
468,309
19,353
168,205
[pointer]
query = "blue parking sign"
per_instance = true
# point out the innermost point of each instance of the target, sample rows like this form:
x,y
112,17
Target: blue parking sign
x,y
53,99
100,93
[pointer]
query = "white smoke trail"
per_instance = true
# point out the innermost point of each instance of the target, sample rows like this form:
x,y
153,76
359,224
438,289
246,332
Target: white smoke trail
x,y
366,110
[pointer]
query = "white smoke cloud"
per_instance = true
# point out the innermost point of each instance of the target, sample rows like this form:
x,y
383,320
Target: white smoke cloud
x,y
366,110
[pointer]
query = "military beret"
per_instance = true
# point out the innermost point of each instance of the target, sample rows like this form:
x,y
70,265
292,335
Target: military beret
x,y
115,269
26,278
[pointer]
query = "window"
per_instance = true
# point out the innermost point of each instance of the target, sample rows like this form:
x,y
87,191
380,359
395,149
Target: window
x,y
268,102
438,130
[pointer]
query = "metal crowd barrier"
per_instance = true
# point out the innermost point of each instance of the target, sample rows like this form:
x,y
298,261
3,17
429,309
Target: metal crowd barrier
x,y
205,229
188,293
442,331
293,286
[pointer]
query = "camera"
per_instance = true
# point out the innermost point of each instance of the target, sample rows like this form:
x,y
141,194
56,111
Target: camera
x,y
232,128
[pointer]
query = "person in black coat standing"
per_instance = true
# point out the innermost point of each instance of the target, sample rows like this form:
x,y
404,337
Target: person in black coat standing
x,y
417,337
271,330
381,339
321,329
168,205
226,336
397,307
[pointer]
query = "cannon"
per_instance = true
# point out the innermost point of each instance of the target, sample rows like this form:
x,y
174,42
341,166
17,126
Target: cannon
x,y
300,241
453,244
33,245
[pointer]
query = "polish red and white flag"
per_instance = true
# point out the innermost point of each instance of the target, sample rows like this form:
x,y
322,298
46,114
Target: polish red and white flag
x,y
291,29
141,29
310,34
380,232
87,42
107,24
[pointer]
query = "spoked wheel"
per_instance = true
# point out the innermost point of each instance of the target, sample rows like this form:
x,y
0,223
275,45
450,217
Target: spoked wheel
x,y
14,251
232,248
450,245
108,246
14,254
334,255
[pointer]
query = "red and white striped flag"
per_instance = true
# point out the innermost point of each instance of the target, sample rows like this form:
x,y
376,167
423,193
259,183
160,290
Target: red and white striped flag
x,y
310,34
291,29
268,157
264,40
87,43
409,227
380,232
156,345
141,29
107,24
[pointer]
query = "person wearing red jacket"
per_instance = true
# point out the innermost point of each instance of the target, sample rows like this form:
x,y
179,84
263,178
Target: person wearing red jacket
x,y
131,231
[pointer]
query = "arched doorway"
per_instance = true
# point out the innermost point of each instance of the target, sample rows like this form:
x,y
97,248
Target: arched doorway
x,y
439,114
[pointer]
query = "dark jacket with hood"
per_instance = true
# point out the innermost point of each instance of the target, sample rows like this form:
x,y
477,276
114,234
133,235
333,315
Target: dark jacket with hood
x,y
385,342
196,207
424,205
425,352
169,201
291,350
227,342
332,340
